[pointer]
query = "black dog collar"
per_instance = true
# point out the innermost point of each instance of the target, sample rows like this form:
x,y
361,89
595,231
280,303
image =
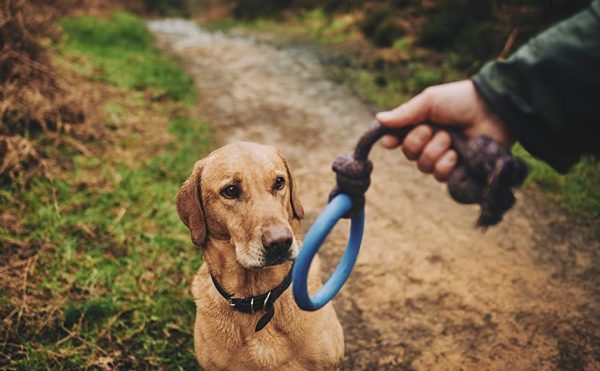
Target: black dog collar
x,y
253,304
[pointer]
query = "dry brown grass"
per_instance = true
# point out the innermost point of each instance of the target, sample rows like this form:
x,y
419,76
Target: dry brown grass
x,y
37,105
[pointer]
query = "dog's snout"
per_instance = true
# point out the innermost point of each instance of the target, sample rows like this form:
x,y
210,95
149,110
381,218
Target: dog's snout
x,y
277,238
277,241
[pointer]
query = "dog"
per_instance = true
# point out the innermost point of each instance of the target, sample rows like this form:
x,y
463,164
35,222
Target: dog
x,y
241,207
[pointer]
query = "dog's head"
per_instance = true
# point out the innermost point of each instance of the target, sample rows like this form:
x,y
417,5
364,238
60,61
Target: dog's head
x,y
243,193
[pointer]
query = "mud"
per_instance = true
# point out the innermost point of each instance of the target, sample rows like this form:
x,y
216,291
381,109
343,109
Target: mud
x,y
428,291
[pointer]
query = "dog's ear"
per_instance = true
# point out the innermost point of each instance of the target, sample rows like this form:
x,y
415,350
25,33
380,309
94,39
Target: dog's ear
x,y
189,206
297,208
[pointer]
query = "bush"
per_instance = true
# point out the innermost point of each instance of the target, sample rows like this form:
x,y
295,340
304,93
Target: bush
x,y
171,8
333,6
466,27
252,9
442,29
424,77
167,7
479,41
381,27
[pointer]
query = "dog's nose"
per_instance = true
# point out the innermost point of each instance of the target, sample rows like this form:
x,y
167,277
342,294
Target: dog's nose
x,y
277,240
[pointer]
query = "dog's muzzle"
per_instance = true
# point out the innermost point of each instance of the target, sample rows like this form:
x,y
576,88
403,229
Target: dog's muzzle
x,y
277,242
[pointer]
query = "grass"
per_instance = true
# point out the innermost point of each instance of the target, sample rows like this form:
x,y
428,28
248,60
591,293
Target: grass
x,y
313,25
578,191
97,272
122,53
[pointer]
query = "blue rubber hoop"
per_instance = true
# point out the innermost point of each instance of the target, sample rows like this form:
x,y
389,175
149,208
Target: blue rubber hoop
x,y
313,240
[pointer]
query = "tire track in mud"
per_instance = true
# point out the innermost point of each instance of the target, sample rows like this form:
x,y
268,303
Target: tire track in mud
x,y
428,291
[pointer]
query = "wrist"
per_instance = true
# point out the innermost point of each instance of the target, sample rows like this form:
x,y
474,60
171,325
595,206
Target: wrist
x,y
490,122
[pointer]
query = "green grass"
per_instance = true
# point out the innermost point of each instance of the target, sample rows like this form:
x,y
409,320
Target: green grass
x,y
122,53
113,262
314,25
577,191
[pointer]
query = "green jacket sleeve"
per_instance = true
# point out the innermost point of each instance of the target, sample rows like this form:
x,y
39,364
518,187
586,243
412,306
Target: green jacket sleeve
x,y
548,92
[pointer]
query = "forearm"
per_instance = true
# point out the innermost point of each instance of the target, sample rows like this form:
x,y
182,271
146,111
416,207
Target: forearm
x,y
548,92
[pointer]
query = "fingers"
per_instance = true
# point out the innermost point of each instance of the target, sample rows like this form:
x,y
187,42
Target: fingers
x,y
444,166
390,141
415,141
433,151
415,110
456,104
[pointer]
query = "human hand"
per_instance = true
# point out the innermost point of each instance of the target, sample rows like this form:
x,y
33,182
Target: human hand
x,y
455,104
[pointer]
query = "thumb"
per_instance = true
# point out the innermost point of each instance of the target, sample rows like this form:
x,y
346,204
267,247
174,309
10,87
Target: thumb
x,y
413,112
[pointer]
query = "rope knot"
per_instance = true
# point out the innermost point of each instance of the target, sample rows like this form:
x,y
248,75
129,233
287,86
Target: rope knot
x,y
486,175
353,178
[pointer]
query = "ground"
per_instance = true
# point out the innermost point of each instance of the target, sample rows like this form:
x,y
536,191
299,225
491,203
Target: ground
x,y
429,291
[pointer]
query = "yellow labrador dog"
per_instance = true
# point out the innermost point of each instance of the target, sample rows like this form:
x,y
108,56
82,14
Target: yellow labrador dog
x,y
240,205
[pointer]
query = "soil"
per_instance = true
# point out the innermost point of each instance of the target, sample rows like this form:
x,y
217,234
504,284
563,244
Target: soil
x,y
429,291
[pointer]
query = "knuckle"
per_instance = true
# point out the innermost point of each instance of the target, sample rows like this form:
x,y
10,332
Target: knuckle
x,y
428,92
424,131
442,168
414,139
428,156
409,152
443,138
451,158
439,176
424,165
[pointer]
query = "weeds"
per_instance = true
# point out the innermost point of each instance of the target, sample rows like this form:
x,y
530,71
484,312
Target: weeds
x,y
96,273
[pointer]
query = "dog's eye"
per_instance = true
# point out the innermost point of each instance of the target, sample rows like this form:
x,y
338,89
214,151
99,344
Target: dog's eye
x,y
231,192
279,183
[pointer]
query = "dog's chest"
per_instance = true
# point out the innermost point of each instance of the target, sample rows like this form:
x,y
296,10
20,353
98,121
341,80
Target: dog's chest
x,y
269,348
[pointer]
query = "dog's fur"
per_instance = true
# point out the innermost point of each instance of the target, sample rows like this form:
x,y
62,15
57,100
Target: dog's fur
x,y
231,233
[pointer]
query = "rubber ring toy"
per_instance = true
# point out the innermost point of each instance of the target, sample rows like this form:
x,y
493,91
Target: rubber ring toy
x,y
502,173
334,211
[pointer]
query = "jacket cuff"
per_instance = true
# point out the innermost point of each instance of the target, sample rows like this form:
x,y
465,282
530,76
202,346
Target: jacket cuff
x,y
497,90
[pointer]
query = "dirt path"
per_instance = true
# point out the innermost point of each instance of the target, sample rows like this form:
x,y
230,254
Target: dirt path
x,y
428,292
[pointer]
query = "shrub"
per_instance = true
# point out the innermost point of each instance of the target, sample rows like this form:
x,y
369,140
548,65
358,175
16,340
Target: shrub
x,y
479,41
381,27
424,77
450,18
252,9
167,7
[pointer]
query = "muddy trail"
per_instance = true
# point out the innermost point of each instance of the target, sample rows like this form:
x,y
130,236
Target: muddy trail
x,y
428,291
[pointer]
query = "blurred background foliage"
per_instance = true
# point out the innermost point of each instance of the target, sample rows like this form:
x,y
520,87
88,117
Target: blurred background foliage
x,y
476,28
